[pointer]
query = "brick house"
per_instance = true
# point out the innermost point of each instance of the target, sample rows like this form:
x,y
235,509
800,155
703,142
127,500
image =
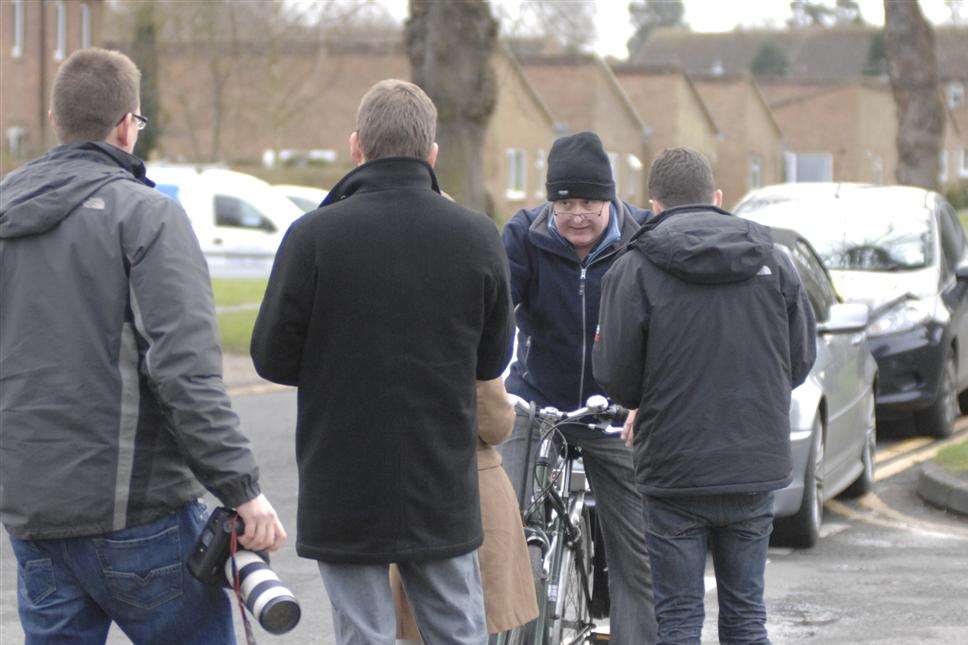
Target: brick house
x,y
583,94
310,109
668,101
37,37
824,57
751,146
846,131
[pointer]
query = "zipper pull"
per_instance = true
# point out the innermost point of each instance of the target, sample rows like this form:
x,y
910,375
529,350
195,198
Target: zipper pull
x,y
581,283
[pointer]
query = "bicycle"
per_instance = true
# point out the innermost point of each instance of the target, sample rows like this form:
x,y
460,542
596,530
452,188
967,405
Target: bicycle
x,y
560,530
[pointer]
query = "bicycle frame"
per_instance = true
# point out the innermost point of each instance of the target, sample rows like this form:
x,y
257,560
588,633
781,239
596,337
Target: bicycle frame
x,y
554,526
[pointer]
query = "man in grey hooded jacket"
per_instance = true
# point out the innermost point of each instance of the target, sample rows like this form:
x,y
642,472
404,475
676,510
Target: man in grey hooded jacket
x,y
112,403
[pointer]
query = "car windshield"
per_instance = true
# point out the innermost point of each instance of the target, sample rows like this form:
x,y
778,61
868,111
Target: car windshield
x,y
854,234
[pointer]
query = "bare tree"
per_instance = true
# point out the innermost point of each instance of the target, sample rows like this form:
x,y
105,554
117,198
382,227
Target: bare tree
x,y
549,26
913,68
450,46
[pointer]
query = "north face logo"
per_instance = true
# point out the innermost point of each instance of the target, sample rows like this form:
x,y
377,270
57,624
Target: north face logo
x,y
94,202
765,270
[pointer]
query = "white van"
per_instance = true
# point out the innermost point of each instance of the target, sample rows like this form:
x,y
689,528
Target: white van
x,y
239,219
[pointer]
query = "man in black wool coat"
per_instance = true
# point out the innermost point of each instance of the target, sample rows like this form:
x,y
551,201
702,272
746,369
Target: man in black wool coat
x,y
384,306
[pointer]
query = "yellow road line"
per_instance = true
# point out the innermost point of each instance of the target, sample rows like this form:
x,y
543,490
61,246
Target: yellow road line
x,y
880,514
259,388
900,448
916,457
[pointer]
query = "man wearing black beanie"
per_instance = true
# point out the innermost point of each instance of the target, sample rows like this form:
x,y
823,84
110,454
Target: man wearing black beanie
x,y
570,242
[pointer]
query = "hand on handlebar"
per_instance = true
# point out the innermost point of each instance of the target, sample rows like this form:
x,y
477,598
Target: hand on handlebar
x,y
628,429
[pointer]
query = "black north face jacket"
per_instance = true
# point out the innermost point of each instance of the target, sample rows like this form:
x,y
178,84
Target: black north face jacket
x,y
705,328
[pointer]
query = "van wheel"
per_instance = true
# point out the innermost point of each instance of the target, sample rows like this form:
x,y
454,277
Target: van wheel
x,y
939,419
802,529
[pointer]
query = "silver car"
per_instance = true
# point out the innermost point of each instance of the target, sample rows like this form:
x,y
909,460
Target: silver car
x,y
833,433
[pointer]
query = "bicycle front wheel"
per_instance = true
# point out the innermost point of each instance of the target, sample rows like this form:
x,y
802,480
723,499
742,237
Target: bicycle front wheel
x,y
573,623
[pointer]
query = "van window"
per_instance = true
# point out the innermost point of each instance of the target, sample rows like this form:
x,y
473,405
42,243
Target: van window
x,y
168,189
237,213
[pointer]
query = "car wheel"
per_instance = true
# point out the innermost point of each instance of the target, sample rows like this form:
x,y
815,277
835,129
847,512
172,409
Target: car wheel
x,y
802,529
939,419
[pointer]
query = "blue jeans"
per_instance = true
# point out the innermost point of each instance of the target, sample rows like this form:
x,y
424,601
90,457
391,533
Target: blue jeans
x,y
70,590
608,464
680,531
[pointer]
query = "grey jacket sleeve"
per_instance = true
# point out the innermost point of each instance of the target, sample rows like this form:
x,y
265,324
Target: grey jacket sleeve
x,y
171,302
802,324
618,358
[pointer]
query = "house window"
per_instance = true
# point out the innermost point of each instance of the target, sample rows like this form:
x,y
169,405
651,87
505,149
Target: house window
x,y
85,25
943,166
540,171
61,41
956,94
15,140
755,178
17,49
814,166
613,162
517,174
635,175
964,162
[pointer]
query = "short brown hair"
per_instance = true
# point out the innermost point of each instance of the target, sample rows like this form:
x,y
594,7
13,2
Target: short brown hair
x,y
396,119
93,90
681,176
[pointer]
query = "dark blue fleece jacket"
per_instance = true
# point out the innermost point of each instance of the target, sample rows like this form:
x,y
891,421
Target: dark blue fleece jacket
x,y
556,299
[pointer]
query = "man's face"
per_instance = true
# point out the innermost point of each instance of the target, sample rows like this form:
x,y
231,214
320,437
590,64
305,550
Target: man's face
x,y
581,221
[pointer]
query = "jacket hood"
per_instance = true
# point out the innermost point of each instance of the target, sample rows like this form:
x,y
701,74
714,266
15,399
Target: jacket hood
x,y
704,244
40,195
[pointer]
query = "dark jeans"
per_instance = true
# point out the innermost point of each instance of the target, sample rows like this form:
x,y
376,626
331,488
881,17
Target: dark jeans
x,y
680,531
70,590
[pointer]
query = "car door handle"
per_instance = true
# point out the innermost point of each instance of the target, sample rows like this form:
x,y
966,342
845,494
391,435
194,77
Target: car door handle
x,y
217,241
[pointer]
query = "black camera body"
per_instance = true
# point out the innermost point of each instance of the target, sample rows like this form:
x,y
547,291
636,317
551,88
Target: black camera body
x,y
264,595
214,545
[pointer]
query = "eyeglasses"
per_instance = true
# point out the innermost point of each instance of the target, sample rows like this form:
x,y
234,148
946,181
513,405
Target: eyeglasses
x,y
140,121
571,209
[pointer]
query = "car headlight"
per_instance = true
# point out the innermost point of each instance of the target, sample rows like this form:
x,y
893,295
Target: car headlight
x,y
901,318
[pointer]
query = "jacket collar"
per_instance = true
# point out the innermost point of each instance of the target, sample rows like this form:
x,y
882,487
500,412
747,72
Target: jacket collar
x,y
656,220
105,153
384,173
541,235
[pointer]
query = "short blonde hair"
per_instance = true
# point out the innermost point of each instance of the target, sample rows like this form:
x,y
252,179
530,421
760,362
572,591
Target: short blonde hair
x,y
93,91
396,119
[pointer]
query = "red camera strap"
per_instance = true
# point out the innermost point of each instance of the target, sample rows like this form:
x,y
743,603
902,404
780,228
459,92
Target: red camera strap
x,y
237,586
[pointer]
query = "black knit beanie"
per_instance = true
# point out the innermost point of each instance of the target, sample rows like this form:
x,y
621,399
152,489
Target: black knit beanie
x,y
578,168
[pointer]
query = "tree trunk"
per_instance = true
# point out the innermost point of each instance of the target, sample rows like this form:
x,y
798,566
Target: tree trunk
x,y
450,45
913,67
144,53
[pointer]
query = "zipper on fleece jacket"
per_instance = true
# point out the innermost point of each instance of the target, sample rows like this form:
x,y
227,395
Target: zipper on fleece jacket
x,y
584,335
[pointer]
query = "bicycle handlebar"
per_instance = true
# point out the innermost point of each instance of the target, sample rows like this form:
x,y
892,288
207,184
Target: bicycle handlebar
x,y
597,406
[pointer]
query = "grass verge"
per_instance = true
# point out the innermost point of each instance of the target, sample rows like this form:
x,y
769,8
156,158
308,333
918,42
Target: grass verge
x,y
238,291
236,330
235,327
954,459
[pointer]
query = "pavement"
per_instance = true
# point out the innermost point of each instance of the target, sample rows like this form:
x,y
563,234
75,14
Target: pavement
x,y
888,568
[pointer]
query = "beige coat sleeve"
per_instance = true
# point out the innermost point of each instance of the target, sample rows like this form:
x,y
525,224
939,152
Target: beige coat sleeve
x,y
495,415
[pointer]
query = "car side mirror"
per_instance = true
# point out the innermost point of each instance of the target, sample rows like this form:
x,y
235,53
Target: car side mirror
x,y
845,318
961,273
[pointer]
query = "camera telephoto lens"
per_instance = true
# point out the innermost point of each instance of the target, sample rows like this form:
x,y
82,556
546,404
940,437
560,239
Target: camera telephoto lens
x,y
272,604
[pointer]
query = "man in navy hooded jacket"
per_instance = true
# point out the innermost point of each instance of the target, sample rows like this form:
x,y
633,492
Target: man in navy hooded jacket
x,y
558,254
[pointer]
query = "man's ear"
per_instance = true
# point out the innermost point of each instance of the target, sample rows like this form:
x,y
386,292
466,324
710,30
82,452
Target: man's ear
x,y
656,205
718,198
123,131
356,152
432,157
